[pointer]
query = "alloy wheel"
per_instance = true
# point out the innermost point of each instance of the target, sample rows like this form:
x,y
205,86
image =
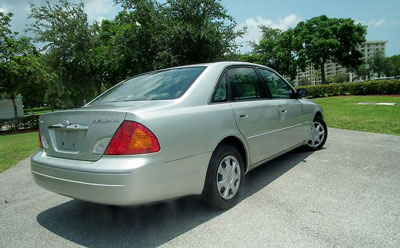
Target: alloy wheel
x,y
228,177
317,134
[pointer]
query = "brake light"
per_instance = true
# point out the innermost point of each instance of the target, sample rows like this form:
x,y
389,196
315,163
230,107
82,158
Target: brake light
x,y
132,138
40,140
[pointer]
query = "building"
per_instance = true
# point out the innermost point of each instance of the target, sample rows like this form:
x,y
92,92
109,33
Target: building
x,y
7,109
368,49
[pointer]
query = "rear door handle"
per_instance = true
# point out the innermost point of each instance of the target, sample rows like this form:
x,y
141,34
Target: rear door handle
x,y
282,110
242,115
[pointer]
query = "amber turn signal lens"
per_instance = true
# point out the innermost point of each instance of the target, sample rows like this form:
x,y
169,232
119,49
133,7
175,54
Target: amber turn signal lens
x,y
132,138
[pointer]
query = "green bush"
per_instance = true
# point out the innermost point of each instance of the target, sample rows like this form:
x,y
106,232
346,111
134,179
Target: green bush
x,y
30,122
375,87
27,110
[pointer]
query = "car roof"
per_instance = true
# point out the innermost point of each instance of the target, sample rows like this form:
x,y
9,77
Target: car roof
x,y
221,63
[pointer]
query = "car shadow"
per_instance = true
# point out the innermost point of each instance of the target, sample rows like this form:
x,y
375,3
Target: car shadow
x,y
95,225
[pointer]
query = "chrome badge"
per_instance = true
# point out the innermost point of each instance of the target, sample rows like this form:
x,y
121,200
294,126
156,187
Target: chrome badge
x,y
65,123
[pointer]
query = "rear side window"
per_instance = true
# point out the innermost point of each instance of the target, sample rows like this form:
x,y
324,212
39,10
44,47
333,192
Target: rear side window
x,y
277,86
221,93
159,85
245,84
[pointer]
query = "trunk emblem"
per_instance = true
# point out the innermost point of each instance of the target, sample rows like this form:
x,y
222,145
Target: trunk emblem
x,y
65,123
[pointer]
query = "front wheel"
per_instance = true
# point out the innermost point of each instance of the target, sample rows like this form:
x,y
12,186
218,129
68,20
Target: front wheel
x,y
318,134
224,179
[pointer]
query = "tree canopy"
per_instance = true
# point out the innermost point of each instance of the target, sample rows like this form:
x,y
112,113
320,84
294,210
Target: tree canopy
x,y
146,35
335,39
279,50
20,68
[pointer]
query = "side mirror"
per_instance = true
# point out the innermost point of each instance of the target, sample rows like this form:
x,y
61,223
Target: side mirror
x,y
301,93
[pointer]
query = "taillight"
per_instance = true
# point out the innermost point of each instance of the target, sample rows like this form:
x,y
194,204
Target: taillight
x,y
40,140
132,138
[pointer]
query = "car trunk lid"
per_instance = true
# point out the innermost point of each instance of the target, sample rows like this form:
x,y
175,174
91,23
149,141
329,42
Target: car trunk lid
x,y
74,134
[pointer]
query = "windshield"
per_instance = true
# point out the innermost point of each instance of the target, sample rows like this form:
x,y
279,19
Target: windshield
x,y
159,85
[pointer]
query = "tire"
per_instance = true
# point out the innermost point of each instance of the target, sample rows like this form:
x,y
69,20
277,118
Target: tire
x,y
216,193
318,135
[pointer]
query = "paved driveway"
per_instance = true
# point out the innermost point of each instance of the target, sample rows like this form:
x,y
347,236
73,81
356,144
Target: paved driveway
x,y
347,195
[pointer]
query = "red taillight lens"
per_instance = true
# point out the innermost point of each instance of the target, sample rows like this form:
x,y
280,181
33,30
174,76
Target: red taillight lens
x,y
40,140
132,138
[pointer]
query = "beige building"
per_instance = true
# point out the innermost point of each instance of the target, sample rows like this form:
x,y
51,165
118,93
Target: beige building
x,y
368,49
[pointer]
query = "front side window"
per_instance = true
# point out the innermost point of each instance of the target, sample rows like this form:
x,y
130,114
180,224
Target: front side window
x,y
245,84
159,85
277,86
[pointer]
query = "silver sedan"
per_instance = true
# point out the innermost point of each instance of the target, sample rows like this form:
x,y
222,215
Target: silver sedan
x,y
175,132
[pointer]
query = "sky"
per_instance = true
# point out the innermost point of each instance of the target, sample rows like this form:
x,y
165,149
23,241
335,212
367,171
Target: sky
x,y
382,17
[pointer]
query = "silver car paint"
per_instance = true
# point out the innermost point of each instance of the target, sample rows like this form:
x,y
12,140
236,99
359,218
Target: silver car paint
x,y
188,129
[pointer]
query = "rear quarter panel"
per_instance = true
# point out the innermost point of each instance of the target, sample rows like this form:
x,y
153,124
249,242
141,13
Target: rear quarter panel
x,y
188,131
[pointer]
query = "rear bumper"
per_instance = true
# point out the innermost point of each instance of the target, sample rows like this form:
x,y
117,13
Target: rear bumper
x,y
121,181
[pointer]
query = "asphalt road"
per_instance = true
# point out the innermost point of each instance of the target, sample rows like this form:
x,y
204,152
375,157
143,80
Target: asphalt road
x,y
346,195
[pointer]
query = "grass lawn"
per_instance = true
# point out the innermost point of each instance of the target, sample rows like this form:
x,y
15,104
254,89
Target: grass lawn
x,y
344,112
15,147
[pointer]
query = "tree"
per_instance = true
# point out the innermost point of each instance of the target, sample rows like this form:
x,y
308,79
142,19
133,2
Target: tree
x,y
266,49
335,39
304,81
340,77
64,30
378,63
279,50
393,65
177,32
19,64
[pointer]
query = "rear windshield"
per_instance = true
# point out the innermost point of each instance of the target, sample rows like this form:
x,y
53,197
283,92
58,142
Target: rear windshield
x,y
159,85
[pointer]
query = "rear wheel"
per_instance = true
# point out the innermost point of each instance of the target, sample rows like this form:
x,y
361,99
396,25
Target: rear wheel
x,y
318,134
224,178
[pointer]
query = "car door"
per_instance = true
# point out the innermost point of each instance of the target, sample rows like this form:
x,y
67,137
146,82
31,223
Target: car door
x,y
257,117
294,128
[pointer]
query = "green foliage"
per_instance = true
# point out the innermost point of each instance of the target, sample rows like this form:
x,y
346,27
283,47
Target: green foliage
x,y
177,32
20,67
314,41
378,63
362,72
67,35
35,110
338,78
376,87
279,50
393,65
304,82
23,123
335,39
146,35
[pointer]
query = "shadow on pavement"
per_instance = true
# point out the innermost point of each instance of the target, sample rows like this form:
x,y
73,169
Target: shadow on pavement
x,y
94,225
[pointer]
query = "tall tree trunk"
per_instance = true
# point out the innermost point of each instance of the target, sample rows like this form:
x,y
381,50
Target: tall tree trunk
x,y
98,86
16,120
14,105
323,78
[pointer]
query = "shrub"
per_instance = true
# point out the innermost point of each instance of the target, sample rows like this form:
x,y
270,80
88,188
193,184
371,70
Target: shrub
x,y
27,110
30,122
375,87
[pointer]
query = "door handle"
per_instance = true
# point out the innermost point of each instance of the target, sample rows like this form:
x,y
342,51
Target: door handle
x,y
282,110
242,115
